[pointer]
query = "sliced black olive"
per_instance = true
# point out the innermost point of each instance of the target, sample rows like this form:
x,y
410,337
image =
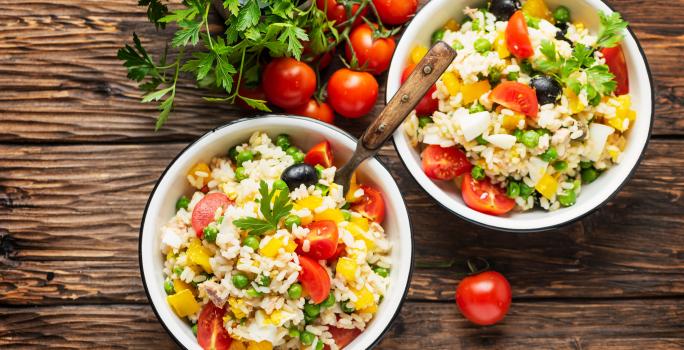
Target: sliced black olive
x,y
562,31
299,174
504,9
548,89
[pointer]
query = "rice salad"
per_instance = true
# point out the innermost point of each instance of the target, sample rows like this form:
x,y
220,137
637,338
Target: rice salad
x,y
537,103
268,253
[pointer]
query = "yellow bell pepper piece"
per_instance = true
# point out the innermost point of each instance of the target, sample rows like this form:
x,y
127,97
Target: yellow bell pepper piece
x,y
235,307
500,45
180,286
237,345
262,345
574,102
371,309
330,214
510,122
452,25
579,25
353,187
201,173
364,299
452,83
624,108
361,222
199,255
291,245
183,303
537,8
547,186
311,203
359,234
347,268
271,248
472,92
418,53
619,123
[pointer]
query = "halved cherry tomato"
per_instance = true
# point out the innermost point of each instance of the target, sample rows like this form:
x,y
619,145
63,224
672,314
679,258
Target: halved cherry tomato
x,y
316,110
322,237
445,164
395,12
485,197
337,12
211,334
338,252
428,104
321,154
371,204
373,53
288,83
615,59
314,278
517,97
343,336
352,94
517,37
205,210
485,298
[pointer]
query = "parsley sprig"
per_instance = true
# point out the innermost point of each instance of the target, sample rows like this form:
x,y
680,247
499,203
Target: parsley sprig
x,y
612,27
272,214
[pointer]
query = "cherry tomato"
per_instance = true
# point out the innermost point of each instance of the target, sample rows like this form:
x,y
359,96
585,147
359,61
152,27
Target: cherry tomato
x,y
288,83
517,37
320,154
323,59
615,59
517,97
444,163
253,92
373,54
395,12
211,334
314,278
352,94
205,210
343,336
316,110
322,237
338,252
337,12
485,197
428,104
485,298
371,204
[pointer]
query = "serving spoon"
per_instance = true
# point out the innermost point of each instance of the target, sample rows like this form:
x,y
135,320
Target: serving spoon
x,y
424,75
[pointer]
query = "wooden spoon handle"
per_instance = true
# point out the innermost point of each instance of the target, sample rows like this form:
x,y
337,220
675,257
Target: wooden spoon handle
x,y
426,73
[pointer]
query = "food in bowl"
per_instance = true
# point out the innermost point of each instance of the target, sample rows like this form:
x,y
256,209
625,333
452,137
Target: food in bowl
x,y
268,252
533,107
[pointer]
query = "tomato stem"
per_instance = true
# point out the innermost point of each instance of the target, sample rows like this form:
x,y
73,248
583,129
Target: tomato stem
x,y
473,265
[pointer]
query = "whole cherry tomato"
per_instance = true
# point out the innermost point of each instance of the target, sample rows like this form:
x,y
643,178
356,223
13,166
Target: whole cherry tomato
x,y
517,97
517,37
445,164
485,197
374,54
615,59
484,298
371,204
337,12
316,110
352,94
428,104
395,12
211,334
288,83
205,210
314,278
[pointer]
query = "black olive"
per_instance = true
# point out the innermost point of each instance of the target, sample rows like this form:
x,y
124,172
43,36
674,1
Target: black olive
x,y
299,174
562,31
504,9
548,89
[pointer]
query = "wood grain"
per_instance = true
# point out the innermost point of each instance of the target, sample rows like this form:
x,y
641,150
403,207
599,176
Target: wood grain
x,y
63,205
620,324
64,83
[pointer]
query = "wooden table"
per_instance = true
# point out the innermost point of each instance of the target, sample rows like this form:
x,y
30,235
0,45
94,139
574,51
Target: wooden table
x,y
78,158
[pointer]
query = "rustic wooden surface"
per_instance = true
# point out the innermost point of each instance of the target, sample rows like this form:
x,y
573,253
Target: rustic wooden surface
x,y
78,158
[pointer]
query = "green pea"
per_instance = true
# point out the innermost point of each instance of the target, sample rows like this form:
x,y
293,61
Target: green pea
x,y
513,189
518,134
481,141
567,199
307,338
476,108
312,310
562,14
292,220
589,175
457,46
346,308
482,45
424,121
182,202
530,138
525,191
560,165
329,301
298,157
264,281
437,35
513,76
585,164
244,156
252,242
295,291
526,66
532,22
240,173
280,185
253,293
319,345
346,215
381,271
478,173
550,155
194,329
168,287
494,76
476,25
233,153
283,141
324,189
210,233
293,332
309,319
292,150
177,270
240,280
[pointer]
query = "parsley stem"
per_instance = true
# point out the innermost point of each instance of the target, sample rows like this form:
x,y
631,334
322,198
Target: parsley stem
x,y
237,85
206,25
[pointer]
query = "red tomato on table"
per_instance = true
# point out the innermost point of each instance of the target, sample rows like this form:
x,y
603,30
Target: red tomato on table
x,y
322,237
371,204
428,104
517,97
373,54
517,37
352,94
485,197
337,12
316,110
395,12
205,210
321,154
444,163
211,334
288,83
485,298
314,279
615,59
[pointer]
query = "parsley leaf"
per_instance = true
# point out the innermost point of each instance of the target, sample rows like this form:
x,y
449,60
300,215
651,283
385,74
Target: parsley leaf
x,y
249,15
272,215
155,11
612,27
137,61
551,63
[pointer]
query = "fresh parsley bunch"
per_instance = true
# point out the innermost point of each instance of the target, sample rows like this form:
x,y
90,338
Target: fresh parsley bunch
x,y
272,214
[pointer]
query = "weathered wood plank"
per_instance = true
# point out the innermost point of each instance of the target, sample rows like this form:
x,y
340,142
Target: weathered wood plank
x,y
74,211
65,84
621,324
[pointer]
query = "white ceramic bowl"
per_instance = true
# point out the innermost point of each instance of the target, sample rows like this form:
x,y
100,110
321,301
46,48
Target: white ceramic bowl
x,y
438,12
305,133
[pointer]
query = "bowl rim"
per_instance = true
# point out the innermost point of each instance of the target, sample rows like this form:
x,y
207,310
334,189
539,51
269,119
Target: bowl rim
x,y
344,133
610,197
